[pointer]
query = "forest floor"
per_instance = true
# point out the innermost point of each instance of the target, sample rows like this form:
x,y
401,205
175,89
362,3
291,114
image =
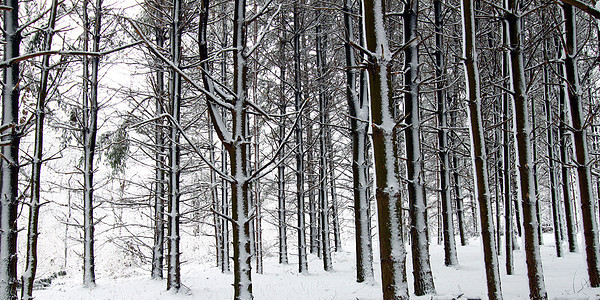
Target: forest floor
x,y
566,278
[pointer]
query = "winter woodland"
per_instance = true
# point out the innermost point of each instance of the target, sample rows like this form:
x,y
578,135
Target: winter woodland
x,y
300,149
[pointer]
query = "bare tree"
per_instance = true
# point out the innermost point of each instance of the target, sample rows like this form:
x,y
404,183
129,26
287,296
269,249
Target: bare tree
x,y
358,105
478,152
391,248
28,277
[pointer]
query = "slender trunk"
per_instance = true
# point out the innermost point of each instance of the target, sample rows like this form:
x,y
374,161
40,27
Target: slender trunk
x,y
523,131
538,213
450,258
552,168
423,282
458,191
214,198
479,153
497,188
225,264
459,203
583,163
302,257
214,191
359,121
159,185
283,255
506,161
313,205
90,108
564,136
392,252
337,239
323,165
34,206
507,189
173,237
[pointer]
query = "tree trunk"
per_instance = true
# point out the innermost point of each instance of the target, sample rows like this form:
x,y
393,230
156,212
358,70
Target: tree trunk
x,y
337,239
359,121
506,162
392,252
323,165
583,163
159,184
34,206
552,168
479,153
450,258
538,213
225,264
214,199
423,282
236,142
9,167
90,118
283,255
570,213
238,154
458,192
523,131
173,237
302,257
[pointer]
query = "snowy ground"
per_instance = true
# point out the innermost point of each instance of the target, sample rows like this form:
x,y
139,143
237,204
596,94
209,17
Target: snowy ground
x,y
566,278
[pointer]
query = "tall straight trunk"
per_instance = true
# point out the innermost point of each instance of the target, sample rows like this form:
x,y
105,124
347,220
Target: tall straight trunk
x,y
337,239
9,167
237,143
583,162
564,136
506,161
460,213
450,258
323,165
302,257
34,205
423,282
555,205
313,205
281,217
214,191
478,152
173,237
214,199
358,107
391,248
497,188
225,264
506,178
159,184
256,191
238,154
90,117
538,214
523,132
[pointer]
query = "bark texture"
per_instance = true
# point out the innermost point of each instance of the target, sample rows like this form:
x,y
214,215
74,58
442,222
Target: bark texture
x,y
392,251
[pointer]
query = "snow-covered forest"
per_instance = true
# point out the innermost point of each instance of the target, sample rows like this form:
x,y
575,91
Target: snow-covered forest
x,y
300,149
